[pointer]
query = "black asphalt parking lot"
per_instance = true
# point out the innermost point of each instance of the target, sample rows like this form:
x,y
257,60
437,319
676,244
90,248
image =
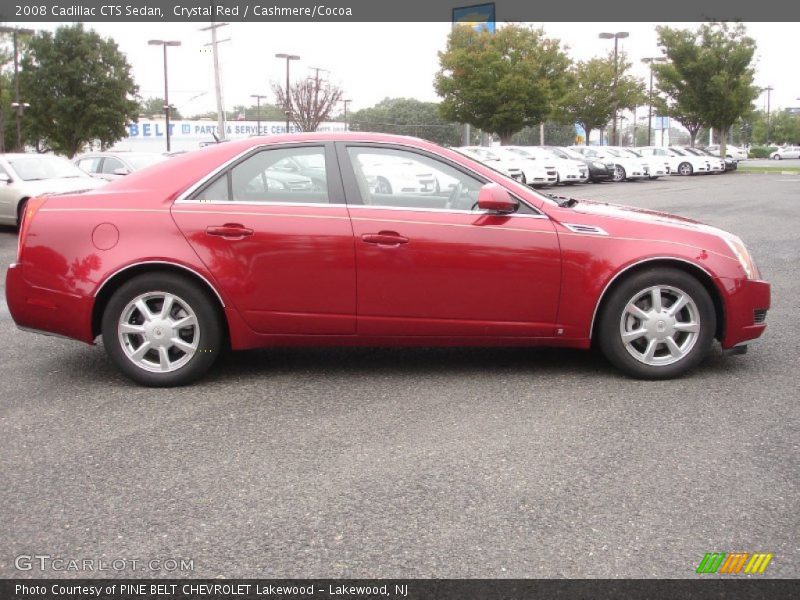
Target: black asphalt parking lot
x,y
419,462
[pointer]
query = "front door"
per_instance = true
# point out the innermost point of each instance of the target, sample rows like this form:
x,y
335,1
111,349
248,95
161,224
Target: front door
x,y
431,264
280,244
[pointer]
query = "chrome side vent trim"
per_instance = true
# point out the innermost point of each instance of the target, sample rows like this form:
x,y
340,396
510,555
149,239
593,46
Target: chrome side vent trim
x,y
587,229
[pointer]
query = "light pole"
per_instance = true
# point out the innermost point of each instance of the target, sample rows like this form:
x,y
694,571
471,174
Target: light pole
x,y
258,98
346,102
649,61
221,134
288,108
769,90
164,44
616,37
15,32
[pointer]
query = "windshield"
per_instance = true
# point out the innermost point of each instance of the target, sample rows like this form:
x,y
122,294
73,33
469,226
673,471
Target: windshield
x,y
678,152
572,153
634,153
615,152
140,161
559,153
34,168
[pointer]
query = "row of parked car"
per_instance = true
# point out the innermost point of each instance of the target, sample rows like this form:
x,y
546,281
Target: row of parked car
x,y
24,176
540,166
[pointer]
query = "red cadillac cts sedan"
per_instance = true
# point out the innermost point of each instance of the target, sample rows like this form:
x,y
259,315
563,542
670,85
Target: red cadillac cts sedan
x,y
369,239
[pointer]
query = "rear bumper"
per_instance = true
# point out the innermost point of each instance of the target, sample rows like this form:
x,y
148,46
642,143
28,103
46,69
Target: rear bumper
x,y
746,302
47,311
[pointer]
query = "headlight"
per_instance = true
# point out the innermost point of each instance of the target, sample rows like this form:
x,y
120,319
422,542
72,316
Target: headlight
x,y
598,165
740,252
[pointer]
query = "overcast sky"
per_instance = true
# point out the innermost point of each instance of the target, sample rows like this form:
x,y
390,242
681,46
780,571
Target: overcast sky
x,y
374,60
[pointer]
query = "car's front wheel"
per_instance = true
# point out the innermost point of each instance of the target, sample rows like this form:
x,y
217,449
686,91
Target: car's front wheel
x,y
657,324
685,168
619,173
162,330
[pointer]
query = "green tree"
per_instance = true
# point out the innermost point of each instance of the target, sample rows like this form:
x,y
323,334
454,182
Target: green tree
x,y
80,89
591,99
708,78
555,134
500,82
154,107
407,116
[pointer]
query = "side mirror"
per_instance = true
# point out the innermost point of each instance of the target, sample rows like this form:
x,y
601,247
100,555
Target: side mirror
x,y
121,171
495,198
5,178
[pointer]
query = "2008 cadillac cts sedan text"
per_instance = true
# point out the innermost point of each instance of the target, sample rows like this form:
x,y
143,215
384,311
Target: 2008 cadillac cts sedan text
x,y
369,239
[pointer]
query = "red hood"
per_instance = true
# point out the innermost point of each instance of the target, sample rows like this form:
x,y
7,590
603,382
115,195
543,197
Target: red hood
x,y
643,215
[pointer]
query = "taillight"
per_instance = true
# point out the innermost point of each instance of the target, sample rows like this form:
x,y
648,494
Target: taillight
x,y
31,206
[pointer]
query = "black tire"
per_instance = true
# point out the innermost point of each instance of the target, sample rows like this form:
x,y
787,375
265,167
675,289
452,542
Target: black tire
x,y
210,326
23,204
619,173
384,187
685,168
610,321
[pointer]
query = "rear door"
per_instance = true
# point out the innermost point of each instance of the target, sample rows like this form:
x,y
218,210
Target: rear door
x,y
280,245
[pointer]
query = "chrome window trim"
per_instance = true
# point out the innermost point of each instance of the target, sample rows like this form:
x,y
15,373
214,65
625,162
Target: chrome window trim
x,y
260,203
158,262
629,267
445,210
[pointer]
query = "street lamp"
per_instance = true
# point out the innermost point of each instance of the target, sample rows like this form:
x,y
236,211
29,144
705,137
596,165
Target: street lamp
x,y
164,44
616,37
288,109
346,102
15,32
258,98
769,89
649,61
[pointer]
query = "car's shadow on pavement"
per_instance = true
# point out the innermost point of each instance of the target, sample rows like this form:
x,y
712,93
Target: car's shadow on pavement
x,y
262,365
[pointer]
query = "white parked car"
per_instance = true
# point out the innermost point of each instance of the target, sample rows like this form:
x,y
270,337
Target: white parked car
x,y
690,164
659,166
625,165
568,170
113,165
487,156
786,152
730,151
536,171
717,163
390,175
23,176
665,154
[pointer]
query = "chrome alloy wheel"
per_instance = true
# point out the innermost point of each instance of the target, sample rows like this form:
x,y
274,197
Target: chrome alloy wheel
x,y
660,325
158,332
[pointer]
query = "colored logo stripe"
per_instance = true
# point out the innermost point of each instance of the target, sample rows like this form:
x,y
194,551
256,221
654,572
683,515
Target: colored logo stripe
x,y
716,561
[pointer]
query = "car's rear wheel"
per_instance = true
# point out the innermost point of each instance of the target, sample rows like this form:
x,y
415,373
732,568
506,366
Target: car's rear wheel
x,y
619,173
657,324
162,330
685,168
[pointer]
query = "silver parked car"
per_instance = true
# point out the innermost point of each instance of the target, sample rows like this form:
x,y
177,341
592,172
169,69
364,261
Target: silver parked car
x,y
23,176
113,165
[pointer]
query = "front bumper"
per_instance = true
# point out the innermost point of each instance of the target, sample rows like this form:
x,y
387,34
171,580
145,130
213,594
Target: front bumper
x,y
745,310
47,311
